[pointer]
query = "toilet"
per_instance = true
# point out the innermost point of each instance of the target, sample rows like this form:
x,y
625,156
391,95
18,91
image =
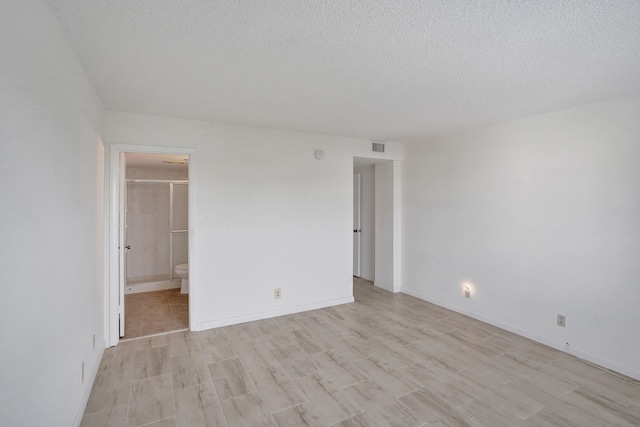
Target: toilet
x,y
182,271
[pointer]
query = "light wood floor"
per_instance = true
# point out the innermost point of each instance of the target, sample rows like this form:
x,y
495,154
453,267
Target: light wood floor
x,y
384,360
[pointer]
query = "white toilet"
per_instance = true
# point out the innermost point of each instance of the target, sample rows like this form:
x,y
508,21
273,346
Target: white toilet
x,y
182,271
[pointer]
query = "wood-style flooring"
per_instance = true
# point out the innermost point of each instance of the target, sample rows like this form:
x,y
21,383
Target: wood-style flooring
x,y
385,360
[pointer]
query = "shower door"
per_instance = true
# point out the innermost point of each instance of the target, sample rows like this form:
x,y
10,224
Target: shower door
x,y
179,224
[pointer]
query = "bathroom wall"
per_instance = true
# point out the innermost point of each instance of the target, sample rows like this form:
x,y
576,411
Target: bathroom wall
x,y
148,260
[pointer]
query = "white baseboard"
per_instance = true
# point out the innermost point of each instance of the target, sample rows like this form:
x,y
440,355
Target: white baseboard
x,y
624,370
268,314
89,385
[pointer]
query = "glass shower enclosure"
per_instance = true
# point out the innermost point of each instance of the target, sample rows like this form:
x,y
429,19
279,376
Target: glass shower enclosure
x,y
158,232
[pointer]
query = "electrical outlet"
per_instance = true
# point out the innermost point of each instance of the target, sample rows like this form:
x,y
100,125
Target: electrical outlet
x,y
562,320
94,341
82,372
277,293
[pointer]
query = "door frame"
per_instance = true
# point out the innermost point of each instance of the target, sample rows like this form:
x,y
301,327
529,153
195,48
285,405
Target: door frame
x,y
357,223
112,296
122,238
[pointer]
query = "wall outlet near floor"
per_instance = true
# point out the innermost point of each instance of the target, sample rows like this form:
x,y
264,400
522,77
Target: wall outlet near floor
x,y
82,372
277,293
562,320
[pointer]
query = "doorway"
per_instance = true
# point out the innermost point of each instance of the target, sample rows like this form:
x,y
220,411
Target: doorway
x,y
151,233
156,242
377,222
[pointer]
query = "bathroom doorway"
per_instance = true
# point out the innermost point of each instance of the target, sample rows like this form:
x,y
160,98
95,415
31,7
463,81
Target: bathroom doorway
x,y
156,242
150,235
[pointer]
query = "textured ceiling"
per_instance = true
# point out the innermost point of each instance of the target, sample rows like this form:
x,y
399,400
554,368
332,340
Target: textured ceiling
x,y
383,70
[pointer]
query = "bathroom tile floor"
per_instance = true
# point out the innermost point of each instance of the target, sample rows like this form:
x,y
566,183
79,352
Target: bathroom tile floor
x,y
149,313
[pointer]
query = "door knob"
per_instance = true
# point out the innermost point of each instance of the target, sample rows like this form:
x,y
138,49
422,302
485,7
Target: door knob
x,y
127,247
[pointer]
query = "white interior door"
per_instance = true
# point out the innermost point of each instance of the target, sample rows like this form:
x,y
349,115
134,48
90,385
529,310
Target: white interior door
x,y
356,223
122,238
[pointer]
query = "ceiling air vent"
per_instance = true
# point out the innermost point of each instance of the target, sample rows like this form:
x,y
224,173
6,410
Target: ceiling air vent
x,y
378,147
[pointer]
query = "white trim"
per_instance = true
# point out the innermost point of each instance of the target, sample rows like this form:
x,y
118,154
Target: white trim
x,y
357,180
89,386
123,187
268,314
193,289
111,309
625,370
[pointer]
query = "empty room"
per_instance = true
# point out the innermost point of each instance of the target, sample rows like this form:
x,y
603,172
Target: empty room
x,y
322,213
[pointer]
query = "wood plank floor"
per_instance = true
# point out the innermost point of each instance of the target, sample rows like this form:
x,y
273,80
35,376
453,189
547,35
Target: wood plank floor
x,y
385,360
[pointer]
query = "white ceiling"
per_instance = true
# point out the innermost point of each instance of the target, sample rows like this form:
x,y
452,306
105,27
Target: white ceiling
x,y
374,69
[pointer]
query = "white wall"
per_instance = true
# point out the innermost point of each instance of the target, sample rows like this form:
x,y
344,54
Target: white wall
x,y
267,214
367,221
387,226
543,216
51,205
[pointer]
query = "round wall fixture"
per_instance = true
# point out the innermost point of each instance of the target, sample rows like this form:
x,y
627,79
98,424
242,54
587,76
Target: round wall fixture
x,y
319,154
